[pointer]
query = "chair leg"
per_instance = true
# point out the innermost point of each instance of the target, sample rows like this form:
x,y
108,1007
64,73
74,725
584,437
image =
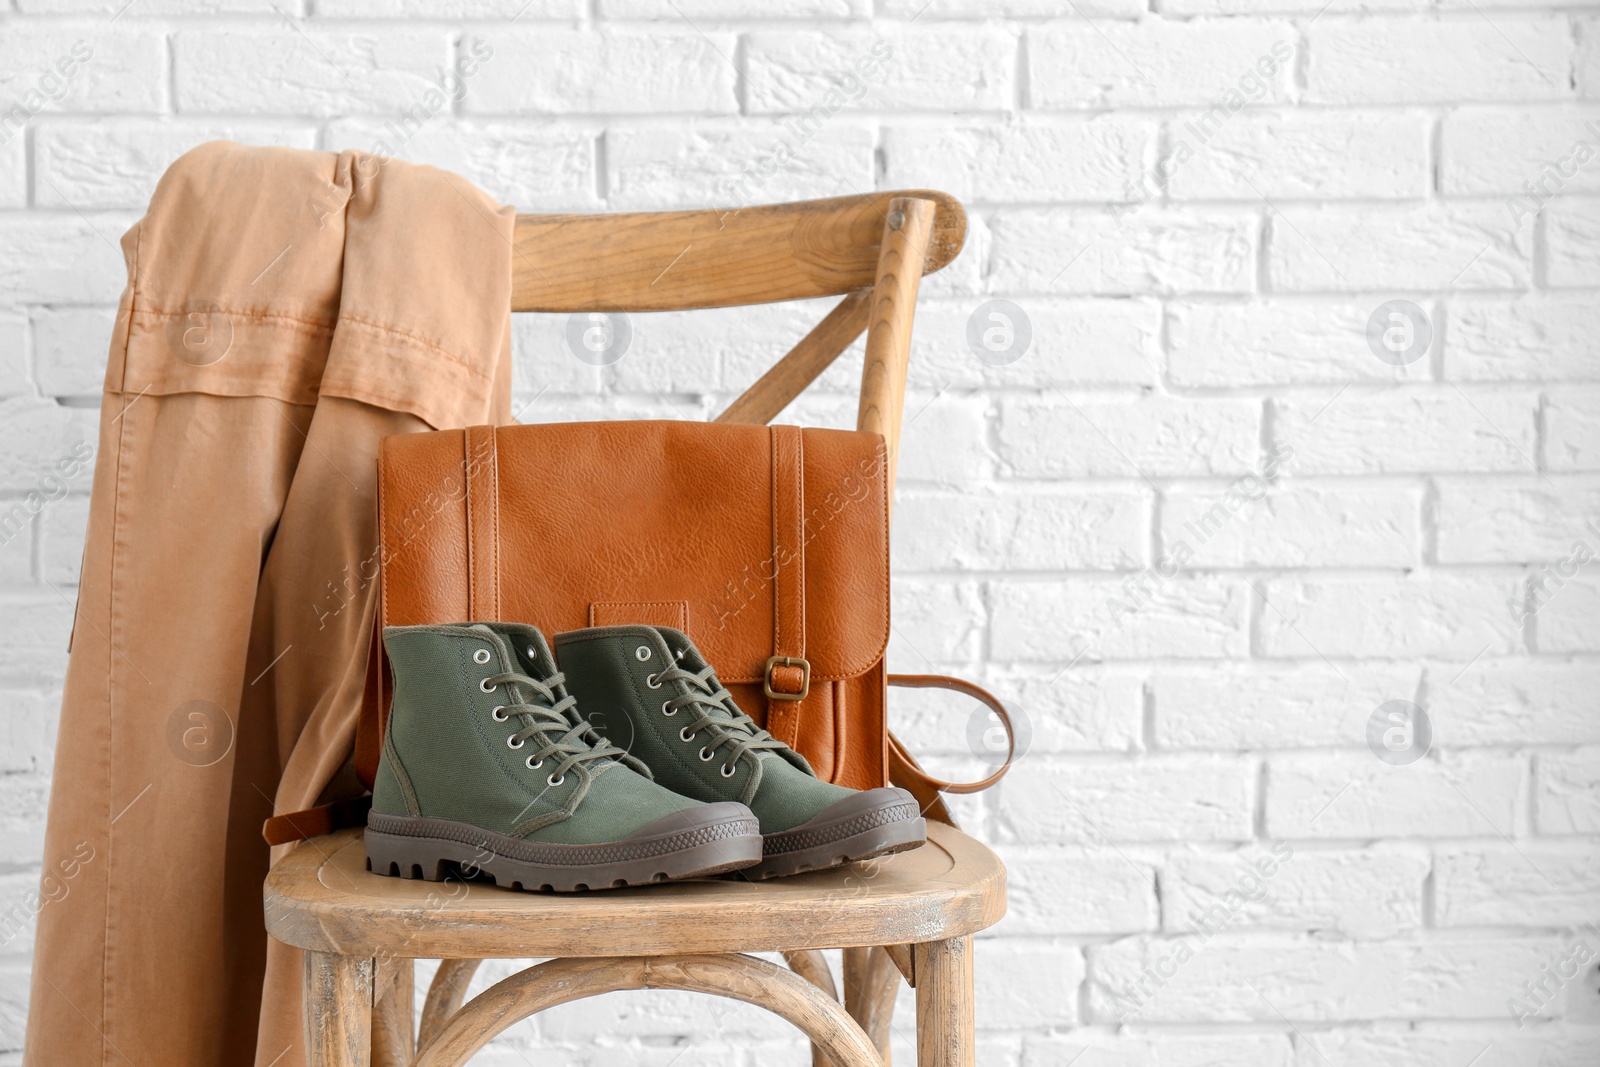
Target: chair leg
x,y
871,981
338,1010
394,1032
944,1003
812,965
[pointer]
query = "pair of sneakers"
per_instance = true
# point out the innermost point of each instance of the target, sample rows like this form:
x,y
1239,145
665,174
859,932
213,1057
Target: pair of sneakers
x,y
629,764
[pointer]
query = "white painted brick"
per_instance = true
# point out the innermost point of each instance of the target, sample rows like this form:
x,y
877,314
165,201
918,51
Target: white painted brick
x,y
1425,429
1515,702
1158,799
1525,521
1502,150
28,730
943,440
1527,884
658,168
1314,7
37,437
1533,338
1220,64
1095,1048
65,525
1572,232
160,7
1072,343
934,622
1137,618
1456,245
1081,159
13,171
1287,155
33,646
23,799
1422,614
70,346
987,9
1092,529
536,168
317,72
14,354
1277,342
13,1003
1150,251
115,163
1498,1046
1033,984
1392,60
1245,979
1366,895
1112,893
62,259
452,9
733,9
1586,64
557,71
18,532
920,67
1572,420
1087,709
1113,438
1296,526
115,68
1567,792
1567,612
1355,795
1242,707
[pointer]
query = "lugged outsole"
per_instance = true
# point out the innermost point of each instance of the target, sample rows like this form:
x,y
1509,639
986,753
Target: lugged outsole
x,y
886,840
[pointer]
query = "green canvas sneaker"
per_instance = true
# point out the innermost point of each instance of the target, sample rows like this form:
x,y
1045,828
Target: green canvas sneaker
x,y
650,692
487,767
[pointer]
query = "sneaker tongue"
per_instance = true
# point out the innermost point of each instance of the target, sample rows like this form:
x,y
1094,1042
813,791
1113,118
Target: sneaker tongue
x,y
689,658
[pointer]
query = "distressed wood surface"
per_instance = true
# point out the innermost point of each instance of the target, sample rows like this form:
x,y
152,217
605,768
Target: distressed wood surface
x,y
944,1003
445,996
393,1015
338,1010
871,982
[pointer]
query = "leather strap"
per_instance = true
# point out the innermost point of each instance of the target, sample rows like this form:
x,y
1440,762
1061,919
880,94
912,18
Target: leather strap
x,y
908,774
314,822
788,585
898,756
481,469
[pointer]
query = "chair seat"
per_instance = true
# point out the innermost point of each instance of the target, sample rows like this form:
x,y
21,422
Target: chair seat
x,y
321,897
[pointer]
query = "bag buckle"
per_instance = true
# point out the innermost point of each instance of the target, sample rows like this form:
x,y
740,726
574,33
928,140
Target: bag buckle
x,y
787,661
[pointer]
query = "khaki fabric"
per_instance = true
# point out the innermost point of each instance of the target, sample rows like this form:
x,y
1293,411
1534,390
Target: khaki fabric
x,y
284,311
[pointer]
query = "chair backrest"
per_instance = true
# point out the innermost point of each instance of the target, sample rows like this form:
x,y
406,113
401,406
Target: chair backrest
x,y
872,249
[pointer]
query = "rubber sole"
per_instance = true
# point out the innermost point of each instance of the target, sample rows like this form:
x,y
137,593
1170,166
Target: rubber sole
x,y
878,822
694,843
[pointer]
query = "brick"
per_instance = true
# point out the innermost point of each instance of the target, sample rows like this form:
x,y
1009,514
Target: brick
x,y
1567,611
14,380
1224,66
70,346
582,71
1425,1046
113,69
33,645
987,9
1426,429
160,7
18,531
1090,529
64,528
1151,251
1240,706
943,441
1355,795
535,168
315,72
1572,428
1522,522
659,168
1276,341
1158,799
1406,60
28,727
1572,234
1517,702
1586,64
1538,337
1100,1049
1070,343
1299,156
1528,884
66,259
1455,245
818,73
1113,894
1042,990
732,9
23,800
452,10
1567,792
1246,979
1141,617
935,622
1313,7
1365,895
1077,159
44,443
116,163
1096,437
13,171
1488,151
1250,525
1421,614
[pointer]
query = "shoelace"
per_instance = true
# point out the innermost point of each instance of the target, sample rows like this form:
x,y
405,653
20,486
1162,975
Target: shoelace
x,y
545,717
737,731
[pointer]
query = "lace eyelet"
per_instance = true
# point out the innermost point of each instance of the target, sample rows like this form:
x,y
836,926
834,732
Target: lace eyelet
x,y
642,653
499,714
554,781
706,756
512,742
685,736
485,687
481,656
653,681
728,770
668,712
533,764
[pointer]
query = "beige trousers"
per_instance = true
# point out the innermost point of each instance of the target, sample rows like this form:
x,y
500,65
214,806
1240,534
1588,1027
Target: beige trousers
x,y
284,311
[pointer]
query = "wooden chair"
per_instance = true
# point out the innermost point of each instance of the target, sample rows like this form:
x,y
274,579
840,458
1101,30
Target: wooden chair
x,y
910,915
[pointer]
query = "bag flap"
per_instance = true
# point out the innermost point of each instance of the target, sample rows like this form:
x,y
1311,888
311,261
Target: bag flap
x,y
643,521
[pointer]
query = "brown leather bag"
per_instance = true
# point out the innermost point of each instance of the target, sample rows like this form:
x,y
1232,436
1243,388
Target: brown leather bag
x,y
768,545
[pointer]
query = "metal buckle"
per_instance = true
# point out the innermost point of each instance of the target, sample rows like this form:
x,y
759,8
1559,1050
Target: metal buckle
x,y
787,661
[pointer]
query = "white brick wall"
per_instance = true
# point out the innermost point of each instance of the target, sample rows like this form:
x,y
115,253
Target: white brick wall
x,y
1198,533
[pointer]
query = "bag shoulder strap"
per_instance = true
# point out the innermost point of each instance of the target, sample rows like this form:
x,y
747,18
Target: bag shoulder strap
x,y
901,759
